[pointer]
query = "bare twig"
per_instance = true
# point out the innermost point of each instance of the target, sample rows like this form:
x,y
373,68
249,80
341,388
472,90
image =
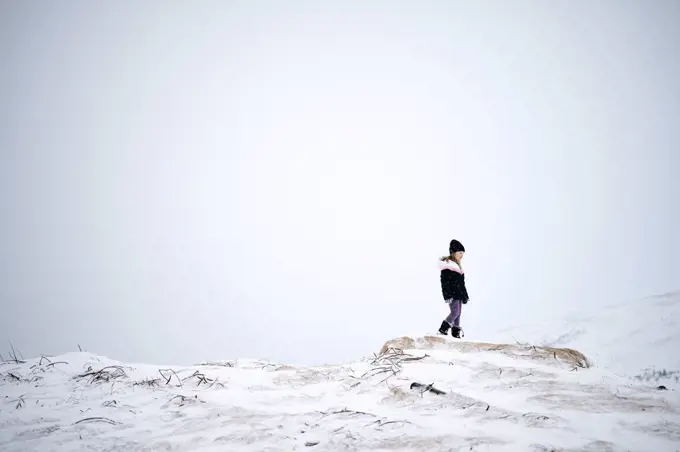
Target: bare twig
x,y
14,377
151,382
416,358
13,355
183,399
393,355
384,380
388,362
343,411
264,365
45,358
55,363
382,423
200,377
217,363
97,419
20,402
377,371
526,344
216,383
38,367
168,378
178,396
104,374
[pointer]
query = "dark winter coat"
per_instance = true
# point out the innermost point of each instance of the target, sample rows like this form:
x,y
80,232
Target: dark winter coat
x,y
453,281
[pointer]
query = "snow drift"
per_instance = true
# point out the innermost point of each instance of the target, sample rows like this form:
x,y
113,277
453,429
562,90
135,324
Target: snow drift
x,y
637,339
417,393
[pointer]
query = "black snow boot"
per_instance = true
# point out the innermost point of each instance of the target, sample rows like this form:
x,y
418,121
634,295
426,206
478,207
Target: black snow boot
x,y
455,331
444,329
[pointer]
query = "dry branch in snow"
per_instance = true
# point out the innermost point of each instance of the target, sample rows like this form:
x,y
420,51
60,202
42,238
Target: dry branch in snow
x,y
150,382
390,362
13,356
168,377
217,363
183,400
345,411
392,355
14,377
55,363
266,365
202,379
42,357
20,402
96,419
382,423
104,374
39,367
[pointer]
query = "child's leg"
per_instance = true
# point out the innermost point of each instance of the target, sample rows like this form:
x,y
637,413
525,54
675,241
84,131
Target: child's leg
x,y
459,310
454,316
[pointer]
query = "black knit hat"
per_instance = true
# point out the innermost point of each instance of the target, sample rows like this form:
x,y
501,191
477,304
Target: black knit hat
x,y
455,245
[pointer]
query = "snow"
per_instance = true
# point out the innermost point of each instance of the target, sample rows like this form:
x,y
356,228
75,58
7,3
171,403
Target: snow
x,y
638,339
498,397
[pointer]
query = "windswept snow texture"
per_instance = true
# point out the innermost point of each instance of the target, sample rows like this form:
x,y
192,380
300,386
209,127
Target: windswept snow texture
x,y
498,398
639,339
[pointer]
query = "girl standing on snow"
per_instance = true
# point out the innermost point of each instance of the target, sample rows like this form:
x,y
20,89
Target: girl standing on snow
x,y
453,287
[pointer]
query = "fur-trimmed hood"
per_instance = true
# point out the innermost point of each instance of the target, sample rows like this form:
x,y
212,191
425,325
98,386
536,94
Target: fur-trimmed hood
x,y
450,265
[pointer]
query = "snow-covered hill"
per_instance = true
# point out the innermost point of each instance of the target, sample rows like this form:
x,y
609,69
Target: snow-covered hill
x,y
495,397
639,339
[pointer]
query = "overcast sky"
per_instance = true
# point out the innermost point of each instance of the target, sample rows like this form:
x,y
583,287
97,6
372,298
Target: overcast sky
x,y
185,181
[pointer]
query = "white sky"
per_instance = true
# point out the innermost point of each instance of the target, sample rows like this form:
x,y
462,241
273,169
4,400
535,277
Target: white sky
x,y
182,181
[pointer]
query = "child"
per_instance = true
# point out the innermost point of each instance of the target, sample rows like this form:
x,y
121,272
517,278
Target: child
x,y
453,287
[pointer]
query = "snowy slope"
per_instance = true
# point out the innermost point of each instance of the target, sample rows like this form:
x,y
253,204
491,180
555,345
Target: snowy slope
x,y
639,339
498,398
